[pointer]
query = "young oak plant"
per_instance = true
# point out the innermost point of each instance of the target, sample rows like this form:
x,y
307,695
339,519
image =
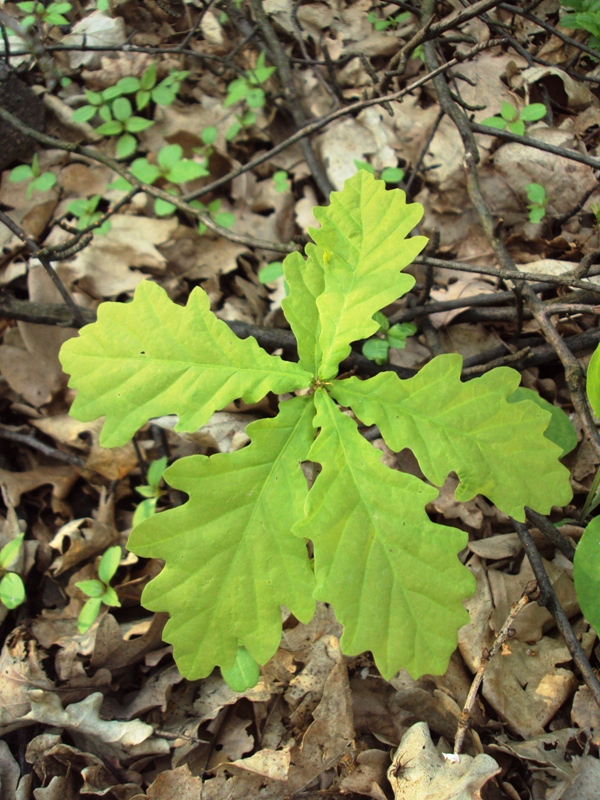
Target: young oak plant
x,y
236,551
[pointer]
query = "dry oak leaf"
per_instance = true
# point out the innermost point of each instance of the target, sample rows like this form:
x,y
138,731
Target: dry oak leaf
x,y
20,671
88,538
174,783
419,772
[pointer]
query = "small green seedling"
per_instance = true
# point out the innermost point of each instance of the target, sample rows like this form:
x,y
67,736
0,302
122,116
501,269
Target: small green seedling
x,y
239,544
52,14
85,211
39,181
99,591
146,87
282,181
595,209
247,86
377,348
151,491
124,124
12,590
390,22
241,121
171,167
586,17
223,218
270,272
389,174
515,120
538,200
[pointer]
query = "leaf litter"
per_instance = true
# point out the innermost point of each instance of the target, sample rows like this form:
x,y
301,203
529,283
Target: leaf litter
x,y
129,726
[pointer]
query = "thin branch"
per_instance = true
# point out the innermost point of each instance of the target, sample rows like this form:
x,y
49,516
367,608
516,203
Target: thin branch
x,y
47,450
551,532
549,600
506,632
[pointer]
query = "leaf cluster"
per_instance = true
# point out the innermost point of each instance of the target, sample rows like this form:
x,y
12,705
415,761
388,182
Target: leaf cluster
x,y
236,551
538,200
99,590
585,16
39,181
247,89
389,174
390,22
514,119
53,14
85,211
12,590
150,491
394,336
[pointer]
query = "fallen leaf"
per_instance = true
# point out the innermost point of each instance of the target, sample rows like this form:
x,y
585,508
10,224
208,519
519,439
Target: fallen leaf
x,y
95,30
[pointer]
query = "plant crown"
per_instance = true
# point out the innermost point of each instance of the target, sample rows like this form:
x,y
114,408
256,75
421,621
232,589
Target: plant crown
x,y
236,551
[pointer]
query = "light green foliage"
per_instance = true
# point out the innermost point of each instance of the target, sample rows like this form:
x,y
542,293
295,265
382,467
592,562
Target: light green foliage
x,y
538,200
593,382
560,430
469,428
515,120
151,491
244,674
231,560
85,211
151,357
99,591
389,174
123,123
585,16
223,218
270,272
52,14
39,181
172,168
377,348
236,551
586,573
247,89
12,590
282,181
390,22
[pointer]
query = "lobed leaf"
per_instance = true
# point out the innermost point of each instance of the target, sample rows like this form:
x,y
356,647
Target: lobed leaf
x,y
353,269
586,573
230,564
391,574
495,446
152,357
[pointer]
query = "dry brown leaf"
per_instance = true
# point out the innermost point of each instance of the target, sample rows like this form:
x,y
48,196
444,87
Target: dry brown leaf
x,y
418,771
272,764
369,775
586,714
21,671
19,483
105,268
9,773
174,783
153,694
88,538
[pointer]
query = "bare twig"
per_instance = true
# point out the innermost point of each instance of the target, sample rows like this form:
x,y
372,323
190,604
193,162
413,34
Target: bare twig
x,y
552,533
506,632
47,450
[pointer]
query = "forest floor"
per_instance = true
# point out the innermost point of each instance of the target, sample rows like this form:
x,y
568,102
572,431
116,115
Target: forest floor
x,y
106,712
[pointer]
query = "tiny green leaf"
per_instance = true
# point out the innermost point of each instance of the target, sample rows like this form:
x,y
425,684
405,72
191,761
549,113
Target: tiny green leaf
x,y
84,114
392,175
162,208
137,124
270,272
10,551
586,573
244,674
110,597
536,193
208,135
122,109
593,381
494,122
44,182
169,155
376,350
186,170
129,84
155,471
88,614
398,334
148,79
508,112
144,171
12,590
126,146
533,112
109,563
560,430
111,128
517,127
91,588
144,510
21,173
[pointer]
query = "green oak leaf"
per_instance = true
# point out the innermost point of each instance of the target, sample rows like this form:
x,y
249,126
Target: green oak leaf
x,y
152,357
244,674
471,428
379,560
560,430
230,558
360,249
586,573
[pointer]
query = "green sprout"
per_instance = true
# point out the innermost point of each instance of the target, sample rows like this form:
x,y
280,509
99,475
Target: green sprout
x,y
171,167
586,18
390,22
377,348
515,120
40,181
99,591
538,200
50,15
12,590
270,272
85,211
282,181
389,174
223,218
151,491
247,88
